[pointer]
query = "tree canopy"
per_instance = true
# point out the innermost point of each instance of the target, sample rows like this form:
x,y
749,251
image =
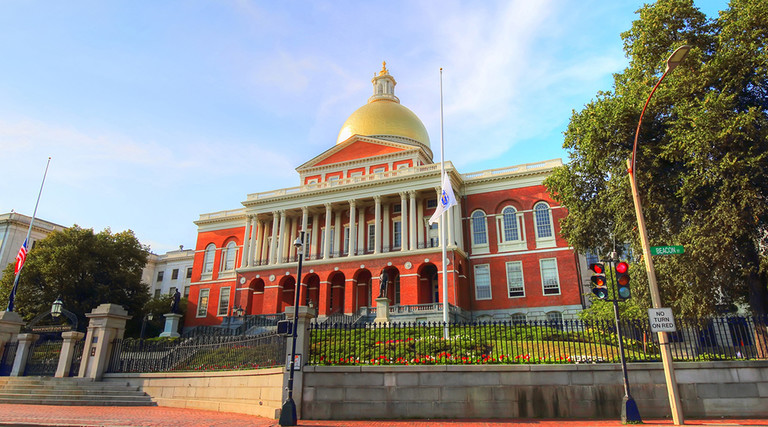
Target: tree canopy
x,y
702,159
85,269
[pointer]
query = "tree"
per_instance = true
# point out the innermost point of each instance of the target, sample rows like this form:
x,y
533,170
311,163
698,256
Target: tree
x,y
85,270
702,161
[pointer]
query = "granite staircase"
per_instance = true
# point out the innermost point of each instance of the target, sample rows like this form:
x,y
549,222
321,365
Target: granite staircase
x,y
70,392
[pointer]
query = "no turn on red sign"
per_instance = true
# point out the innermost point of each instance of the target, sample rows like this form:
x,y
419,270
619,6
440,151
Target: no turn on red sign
x,y
661,320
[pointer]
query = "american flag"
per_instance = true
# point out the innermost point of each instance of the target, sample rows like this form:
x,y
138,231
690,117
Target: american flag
x,y
21,257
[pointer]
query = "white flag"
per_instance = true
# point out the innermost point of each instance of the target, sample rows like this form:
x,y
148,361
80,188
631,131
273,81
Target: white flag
x,y
447,199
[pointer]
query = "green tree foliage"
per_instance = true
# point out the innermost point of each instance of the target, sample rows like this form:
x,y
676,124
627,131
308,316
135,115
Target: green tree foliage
x,y
702,160
83,268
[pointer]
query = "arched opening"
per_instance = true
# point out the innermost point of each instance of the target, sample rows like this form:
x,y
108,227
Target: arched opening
x,y
393,285
336,293
362,294
312,282
429,289
256,289
287,293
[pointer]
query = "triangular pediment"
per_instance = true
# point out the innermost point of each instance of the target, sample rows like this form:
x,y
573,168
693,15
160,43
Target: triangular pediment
x,y
356,148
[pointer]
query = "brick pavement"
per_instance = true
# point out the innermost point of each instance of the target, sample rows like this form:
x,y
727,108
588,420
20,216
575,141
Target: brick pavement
x,y
113,416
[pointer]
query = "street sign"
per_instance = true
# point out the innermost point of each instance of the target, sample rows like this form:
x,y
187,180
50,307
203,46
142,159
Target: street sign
x,y
667,250
661,320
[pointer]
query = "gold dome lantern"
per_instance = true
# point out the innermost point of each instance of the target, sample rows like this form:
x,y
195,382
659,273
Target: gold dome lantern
x,y
383,116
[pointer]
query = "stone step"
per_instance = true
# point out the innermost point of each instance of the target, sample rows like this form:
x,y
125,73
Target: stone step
x,y
68,388
70,391
70,402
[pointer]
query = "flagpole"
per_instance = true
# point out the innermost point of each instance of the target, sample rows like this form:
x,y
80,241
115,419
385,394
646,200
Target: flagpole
x,y
443,217
12,297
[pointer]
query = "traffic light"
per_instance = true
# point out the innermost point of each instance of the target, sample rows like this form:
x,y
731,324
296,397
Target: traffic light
x,y
598,280
622,280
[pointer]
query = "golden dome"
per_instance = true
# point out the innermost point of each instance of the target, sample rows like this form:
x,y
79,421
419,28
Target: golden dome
x,y
383,116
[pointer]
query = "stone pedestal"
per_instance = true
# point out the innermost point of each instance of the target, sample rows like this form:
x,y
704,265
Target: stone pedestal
x,y
10,325
306,314
382,310
171,325
26,341
106,323
69,338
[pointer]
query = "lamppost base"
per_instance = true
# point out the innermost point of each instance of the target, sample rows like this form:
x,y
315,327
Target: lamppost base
x,y
629,412
288,413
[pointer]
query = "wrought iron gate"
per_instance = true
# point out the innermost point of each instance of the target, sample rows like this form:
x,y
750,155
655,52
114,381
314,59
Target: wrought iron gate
x,y
7,357
43,358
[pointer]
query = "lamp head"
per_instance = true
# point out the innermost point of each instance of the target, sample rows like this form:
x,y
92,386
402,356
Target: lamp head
x,y
56,308
677,57
297,243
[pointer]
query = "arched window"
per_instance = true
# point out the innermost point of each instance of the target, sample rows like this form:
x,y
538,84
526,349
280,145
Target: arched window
x,y
554,317
230,255
509,224
479,229
210,252
542,218
518,317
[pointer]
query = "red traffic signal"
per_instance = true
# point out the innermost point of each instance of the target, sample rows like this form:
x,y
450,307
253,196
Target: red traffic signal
x,y
622,280
598,280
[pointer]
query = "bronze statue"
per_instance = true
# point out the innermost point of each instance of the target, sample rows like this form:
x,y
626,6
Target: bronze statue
x,y
383,278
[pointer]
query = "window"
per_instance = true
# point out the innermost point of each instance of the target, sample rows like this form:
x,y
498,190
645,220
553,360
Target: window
x,y
549,277
379,169
175,274
186,291
554,317
431,203
355,174
210,252
230,255
542,216
591,258
322,240
482,282
397,234
479,229
172,290
189,272
402,166
509,225
157,293
397,208
518,317
202,302
346,239
332,178
223,301
160,276
312,181
515,282
371,236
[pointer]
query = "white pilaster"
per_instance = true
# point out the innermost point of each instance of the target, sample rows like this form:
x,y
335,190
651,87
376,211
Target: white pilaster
x,y
377,225
246,242
352,229
281,238
258,232
403,222
459,225
386,239
327,232
315,233
338,241
273,243
420,231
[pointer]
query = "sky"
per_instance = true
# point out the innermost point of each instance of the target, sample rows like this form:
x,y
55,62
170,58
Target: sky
x,y
156,112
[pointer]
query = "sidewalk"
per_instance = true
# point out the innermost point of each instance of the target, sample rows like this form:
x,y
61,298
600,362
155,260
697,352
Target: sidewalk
x,y
40,415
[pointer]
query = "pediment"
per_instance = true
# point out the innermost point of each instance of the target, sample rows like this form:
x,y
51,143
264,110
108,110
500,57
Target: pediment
x,y
356,148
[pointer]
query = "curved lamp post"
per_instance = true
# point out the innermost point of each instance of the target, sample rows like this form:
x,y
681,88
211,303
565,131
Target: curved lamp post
x,y
288,411
666,354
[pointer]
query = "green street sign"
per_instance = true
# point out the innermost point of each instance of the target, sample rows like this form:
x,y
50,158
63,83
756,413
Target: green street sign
x,y
667,250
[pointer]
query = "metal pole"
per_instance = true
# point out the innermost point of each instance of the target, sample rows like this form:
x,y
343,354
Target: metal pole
x,y
288,413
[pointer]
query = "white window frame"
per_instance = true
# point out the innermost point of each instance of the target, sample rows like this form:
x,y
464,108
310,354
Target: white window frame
x,y
356,174
208,261
479,287
505,245
371,236
345,245
226,307
313,181
543,241
402,166
511,285
380,169
478,247
518,317
202,302
543,268
397,234
554,316
229,256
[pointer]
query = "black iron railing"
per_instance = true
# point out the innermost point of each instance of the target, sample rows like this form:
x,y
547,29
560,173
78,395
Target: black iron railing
x,y
212,353
508,342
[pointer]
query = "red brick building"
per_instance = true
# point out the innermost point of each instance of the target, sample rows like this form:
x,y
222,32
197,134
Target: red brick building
x,y
364,207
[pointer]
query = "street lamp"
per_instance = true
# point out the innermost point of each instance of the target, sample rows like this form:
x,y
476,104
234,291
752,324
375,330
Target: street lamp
x,y
56,308
288,411
666,354
148,316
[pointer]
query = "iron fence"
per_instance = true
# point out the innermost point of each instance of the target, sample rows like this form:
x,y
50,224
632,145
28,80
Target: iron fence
x,y
235,326
77,358
7,357
43,358
509,342
203,353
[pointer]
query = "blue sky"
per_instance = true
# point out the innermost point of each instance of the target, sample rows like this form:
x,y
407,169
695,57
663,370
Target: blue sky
x,y
155,112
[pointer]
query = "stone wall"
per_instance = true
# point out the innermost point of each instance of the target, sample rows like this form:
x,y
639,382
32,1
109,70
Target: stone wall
x,y
256,392
707,389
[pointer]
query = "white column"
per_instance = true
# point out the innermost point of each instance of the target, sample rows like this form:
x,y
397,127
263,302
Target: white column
x,y
338,241
246,242
420,223
403,222
352,230
294,234
315,233
412,221
254,237
273,243
327,232
439,192
385,228
377,225
265,243
362,230
258,231
281,238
